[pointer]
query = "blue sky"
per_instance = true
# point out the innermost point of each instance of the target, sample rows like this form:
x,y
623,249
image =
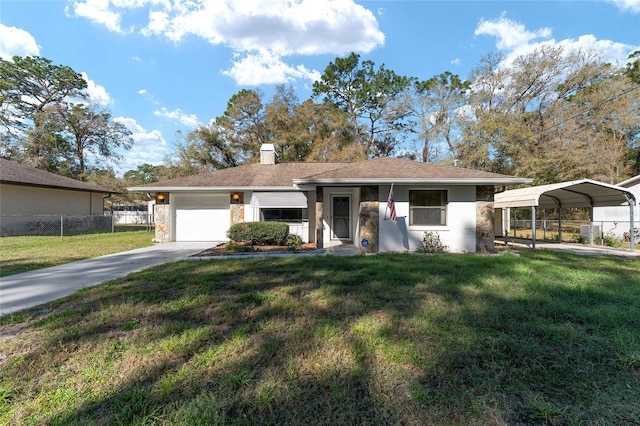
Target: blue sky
x,y
162,66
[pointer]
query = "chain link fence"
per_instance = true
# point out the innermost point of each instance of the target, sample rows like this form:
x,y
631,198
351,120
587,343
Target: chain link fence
x,y
131,217
607,233
53,225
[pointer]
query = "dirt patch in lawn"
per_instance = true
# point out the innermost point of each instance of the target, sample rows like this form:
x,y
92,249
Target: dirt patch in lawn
x,y
223,250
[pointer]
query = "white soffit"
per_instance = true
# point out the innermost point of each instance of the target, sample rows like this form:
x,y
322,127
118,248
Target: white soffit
x,y
284,200
578,193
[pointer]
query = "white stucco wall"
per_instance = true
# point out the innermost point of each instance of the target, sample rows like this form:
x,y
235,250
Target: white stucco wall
x,y
28,200
459,235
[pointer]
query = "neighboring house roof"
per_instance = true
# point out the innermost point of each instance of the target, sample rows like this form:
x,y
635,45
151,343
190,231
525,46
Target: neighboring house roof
x,y
630,182
19,174
577,193
283,176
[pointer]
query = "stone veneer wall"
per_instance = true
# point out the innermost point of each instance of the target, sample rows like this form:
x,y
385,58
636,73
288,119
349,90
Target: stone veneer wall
x,y
485,219
162,217
369,218
237,209
319,226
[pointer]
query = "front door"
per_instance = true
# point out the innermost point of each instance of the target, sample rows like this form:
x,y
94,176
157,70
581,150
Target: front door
x,y
340,217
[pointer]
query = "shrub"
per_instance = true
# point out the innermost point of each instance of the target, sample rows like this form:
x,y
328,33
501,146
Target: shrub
x,y
259,233
293,242
237,247
431,244
610,241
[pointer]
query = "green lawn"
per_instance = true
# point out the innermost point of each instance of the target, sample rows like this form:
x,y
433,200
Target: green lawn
x,y
540,338
21,254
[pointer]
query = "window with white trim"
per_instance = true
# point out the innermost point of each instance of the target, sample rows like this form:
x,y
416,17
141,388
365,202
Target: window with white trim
x,y
290,215
428,207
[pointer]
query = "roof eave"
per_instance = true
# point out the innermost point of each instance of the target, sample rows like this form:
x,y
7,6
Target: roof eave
x,y
209,188
66,188
415,181
630,182
299,184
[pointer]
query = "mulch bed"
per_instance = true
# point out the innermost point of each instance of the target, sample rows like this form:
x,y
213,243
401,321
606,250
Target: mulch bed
x,y
221,250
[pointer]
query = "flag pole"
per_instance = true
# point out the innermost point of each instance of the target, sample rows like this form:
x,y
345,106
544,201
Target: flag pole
x,y
390,197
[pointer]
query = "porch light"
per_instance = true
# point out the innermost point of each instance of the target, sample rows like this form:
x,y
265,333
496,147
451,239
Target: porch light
x,y
235,196
160,197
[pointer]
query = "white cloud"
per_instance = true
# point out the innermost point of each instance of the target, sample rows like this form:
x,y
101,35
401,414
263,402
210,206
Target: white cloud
x,y
632,6
605,50
97,93
158,23
110,12
305,27
516,40
142,92
16,42
148,146
97,11
510,34
189,120
257,29
130,123
267,68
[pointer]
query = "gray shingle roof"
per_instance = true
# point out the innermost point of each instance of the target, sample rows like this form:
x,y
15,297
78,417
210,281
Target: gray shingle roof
x,y
19,174
389,169
248,175
377,170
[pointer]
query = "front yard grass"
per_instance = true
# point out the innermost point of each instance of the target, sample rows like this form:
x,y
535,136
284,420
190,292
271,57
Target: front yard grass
x,y
22,254
540,338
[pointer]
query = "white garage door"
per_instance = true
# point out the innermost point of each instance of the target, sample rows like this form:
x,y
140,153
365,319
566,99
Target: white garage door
x,y
202,217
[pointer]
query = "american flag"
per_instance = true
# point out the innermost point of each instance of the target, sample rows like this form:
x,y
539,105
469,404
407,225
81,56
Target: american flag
x,y
391,205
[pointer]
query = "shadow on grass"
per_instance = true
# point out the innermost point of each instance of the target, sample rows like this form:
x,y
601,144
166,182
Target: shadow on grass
x,y
542,338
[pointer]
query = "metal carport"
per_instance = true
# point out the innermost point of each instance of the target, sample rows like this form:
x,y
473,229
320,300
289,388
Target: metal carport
x,y
578,193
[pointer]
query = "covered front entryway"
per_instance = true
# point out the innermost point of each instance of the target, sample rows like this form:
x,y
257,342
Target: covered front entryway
x,y
584,193
201,217
341,217
337,216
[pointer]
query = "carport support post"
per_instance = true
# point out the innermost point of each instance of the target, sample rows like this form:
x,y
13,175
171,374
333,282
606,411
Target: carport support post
x,y
591,226
560,225
632,234
533,227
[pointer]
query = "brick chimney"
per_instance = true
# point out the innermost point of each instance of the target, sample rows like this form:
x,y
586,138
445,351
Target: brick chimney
x,y
267,154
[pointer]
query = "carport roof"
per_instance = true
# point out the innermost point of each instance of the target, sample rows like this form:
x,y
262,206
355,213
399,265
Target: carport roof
x,y
577,193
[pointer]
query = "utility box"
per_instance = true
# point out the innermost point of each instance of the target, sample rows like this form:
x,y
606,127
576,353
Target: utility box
x,y
584,231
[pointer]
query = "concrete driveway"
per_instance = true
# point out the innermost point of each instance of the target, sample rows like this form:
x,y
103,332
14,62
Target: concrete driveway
x,y
32,288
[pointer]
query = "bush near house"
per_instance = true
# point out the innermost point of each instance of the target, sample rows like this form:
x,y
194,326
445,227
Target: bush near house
x,y
259,233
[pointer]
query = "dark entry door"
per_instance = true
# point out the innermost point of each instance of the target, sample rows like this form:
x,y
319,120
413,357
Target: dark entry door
x,y
340,223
